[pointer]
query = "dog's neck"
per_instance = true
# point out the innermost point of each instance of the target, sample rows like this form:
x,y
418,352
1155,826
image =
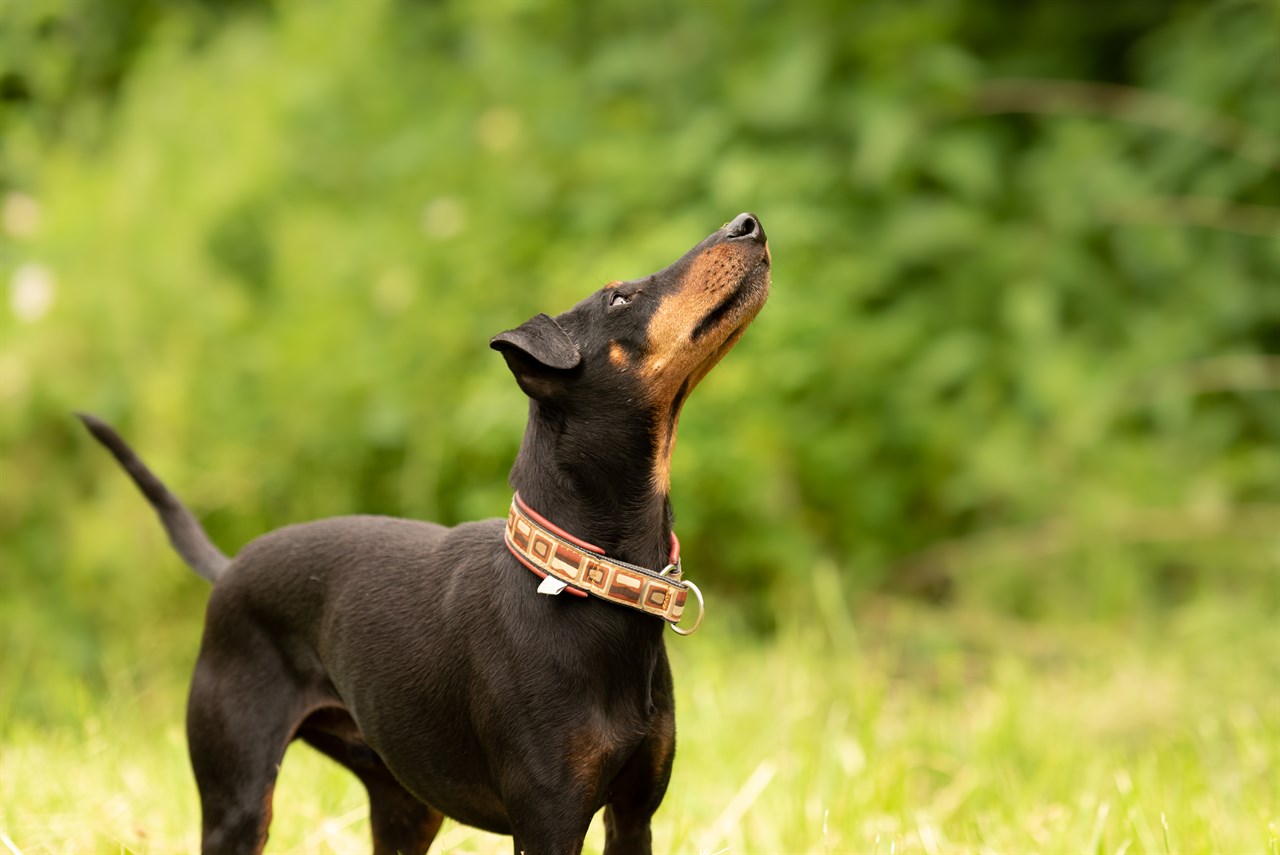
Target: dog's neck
x,y
591,475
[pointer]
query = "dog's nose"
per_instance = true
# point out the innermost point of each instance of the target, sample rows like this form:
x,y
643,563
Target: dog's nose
x,y
746,227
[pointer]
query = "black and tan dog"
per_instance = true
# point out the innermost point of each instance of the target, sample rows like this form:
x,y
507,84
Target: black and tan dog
x,y
424,659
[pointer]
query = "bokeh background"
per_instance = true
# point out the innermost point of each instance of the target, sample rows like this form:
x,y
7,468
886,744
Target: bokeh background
x,y
1008,427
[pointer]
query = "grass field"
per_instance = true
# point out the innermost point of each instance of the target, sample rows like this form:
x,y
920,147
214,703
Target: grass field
x,y
899,729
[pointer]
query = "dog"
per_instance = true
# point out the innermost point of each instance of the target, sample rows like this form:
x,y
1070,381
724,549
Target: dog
x,y
431,661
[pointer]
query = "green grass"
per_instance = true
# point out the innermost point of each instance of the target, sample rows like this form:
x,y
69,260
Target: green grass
x,y
899,729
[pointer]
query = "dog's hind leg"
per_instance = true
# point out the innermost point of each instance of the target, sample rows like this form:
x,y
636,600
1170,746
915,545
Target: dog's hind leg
x,y
401,824
242,712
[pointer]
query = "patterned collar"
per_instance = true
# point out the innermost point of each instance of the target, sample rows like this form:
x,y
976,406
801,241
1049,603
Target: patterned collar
x,y
566,563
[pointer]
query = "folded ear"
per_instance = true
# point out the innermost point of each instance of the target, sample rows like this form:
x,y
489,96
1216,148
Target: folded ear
x,y
535,352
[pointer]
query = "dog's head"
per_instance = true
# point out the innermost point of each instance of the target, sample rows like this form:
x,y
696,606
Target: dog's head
x,y
635,350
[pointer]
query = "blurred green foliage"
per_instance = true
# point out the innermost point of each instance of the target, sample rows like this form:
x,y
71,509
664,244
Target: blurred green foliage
x,y
1021,348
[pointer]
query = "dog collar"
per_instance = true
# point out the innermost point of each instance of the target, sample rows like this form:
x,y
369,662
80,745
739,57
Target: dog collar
x,y
566,563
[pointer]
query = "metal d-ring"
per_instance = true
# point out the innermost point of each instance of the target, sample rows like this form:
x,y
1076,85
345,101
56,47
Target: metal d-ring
x,y
702,611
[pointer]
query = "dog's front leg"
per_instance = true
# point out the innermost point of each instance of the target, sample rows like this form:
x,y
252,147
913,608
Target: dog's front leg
x,y
544,831
634,798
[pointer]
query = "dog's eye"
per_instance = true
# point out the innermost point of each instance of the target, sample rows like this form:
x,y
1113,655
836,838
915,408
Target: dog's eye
x,y
619,300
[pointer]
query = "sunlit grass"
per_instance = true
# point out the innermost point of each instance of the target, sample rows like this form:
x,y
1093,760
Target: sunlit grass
x,y
904,729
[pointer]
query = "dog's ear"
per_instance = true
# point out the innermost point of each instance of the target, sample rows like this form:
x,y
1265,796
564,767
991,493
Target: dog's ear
x,y
538,352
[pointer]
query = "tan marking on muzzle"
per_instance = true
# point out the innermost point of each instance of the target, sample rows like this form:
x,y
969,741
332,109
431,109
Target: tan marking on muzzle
x,y
672,355
674,359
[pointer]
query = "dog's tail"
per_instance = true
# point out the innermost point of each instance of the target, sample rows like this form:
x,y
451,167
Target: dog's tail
x,y
185,532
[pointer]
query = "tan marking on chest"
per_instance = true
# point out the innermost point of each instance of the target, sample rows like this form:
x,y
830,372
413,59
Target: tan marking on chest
x,y
589,752
662,742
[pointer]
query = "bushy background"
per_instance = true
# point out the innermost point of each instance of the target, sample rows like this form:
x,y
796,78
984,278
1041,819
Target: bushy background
x,y
1021,353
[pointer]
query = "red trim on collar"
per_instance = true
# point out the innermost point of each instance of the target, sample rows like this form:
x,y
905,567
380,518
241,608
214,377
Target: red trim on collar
x,y
590,547
555,529
540,573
